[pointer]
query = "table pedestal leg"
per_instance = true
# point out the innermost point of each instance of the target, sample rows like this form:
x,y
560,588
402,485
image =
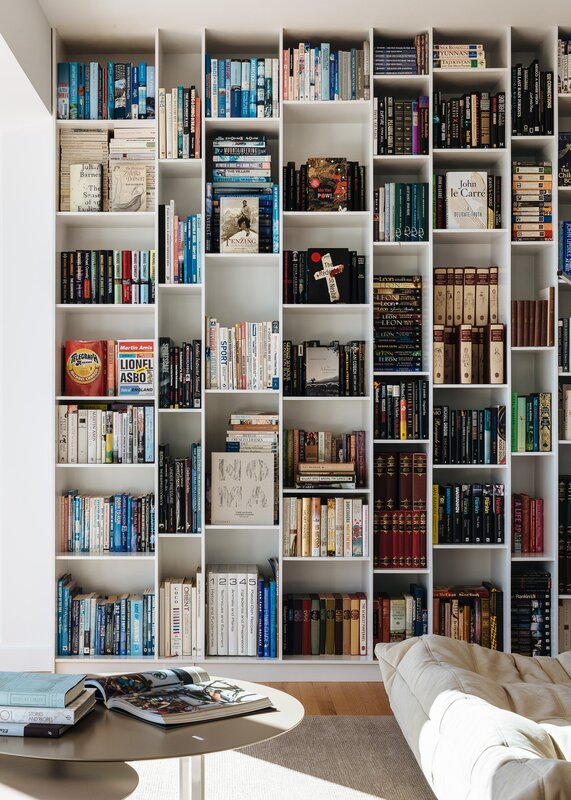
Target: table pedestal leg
x,y
191,778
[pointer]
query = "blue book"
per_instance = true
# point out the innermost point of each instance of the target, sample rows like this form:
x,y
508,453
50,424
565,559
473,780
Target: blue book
x,y
273,632
131,533
221,87
111,526
118,502
63,91
80,90
123,624
193,486
332,76
266,634
142,73
245,89
260,617
116,627
100,637
199,248
336,77
207,99
39,689
180,114
194,247
276,218
353,74
149,435
253,87
152,525
150,93
535,418
135,92
110,90
128,90
124,523
487,435
87,91
136,632
198,488
419,596
73,90
60,613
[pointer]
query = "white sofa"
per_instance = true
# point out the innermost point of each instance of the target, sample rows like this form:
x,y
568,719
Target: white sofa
x,y
482,725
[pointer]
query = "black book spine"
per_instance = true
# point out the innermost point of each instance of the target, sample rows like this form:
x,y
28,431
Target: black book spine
x,y
162,262
437,433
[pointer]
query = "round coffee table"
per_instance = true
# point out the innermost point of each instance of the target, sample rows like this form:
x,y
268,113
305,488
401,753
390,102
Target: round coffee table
x,y
111,738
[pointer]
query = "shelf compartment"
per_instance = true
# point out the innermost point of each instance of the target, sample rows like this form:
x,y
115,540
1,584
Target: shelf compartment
x,y
106,219
325,219
466,236
216,126
180,167
105,308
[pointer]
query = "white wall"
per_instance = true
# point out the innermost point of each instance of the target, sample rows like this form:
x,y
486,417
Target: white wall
x,y
27,33
26,374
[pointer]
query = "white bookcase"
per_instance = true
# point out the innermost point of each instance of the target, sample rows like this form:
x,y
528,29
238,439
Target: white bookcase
x,y
237,288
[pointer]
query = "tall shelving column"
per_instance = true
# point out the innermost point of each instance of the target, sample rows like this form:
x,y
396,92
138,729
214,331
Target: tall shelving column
x,y
109,573
534,369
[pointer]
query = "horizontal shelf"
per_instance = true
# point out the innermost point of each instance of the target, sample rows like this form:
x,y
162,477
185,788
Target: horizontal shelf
x,y
536,454
459,78
105,556
401,441
180,536
327,559
240,527
106,219
106,466
532,557
242,391
342,660
564,375
476,155
330,399
531,349
180,411
333,309
564,597
400,78
469,546
469,466
253,257
135,399
533,139
564,441
183,288
403,571
106,123
105,659
325,219
531,248
403,248
467,236
105,308
288,491
478,386
180,167
405,160
392,373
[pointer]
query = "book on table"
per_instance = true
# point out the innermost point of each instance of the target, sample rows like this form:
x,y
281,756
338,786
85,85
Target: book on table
x,y
175,696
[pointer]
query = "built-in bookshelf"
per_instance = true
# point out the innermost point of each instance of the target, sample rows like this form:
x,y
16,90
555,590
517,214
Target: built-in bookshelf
x,y
251,287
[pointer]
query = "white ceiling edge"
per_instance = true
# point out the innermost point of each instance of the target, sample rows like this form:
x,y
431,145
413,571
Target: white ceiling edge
x,y
21,103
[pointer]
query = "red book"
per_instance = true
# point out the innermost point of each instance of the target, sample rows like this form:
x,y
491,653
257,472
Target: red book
x,y
408,539
525,527
539,525
532,512
386,629
419,481
405,481
392,482
416,540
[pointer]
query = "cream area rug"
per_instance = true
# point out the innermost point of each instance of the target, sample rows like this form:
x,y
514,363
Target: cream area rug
x,y
324,758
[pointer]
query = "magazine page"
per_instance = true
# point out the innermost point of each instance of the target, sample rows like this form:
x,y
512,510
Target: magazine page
x,y
136,682
190,703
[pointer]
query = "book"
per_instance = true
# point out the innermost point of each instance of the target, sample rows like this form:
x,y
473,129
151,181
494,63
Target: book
x,y
176,697
321,372
242,488
135,367
85,187
84,368
466,200
239,219
128,187
327,184
42,690
42,715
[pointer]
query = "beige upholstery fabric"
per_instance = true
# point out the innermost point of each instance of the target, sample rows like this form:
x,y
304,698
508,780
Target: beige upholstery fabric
x,y
482,725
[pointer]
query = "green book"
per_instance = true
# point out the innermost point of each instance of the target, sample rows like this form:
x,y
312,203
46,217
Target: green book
x,y
39,689
514,422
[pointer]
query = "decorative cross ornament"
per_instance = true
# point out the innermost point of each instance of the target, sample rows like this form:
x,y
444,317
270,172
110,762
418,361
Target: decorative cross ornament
x,y
328,273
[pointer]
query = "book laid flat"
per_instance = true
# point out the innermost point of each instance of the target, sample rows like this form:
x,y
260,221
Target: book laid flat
x,y
175,697
43,715
39,689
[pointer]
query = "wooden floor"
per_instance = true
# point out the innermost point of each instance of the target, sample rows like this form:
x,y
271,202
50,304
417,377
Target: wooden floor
x,y
339,699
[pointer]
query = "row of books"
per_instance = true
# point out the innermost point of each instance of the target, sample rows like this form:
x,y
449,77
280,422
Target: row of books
x,y
314,449
465,296
181,624
96,624
321,275
459,56
118,523
397,312
180,246
111,433
564,534
527,524
399,481
531,423
473,614
531,613
563,68
563,355
465,354
180,491
98,277
469,436
472,120
325,624
400,539
467,200
105,91
324,184
242,356
319,72
400,127
564,244
468,513
400,409
246,87
532,320
532,100
180,123
241,610
400,617
311,369
404,57
180,376
532,209
400,212
123,368
322,527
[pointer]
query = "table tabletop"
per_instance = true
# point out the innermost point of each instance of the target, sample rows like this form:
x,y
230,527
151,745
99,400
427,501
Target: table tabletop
x,y
105,735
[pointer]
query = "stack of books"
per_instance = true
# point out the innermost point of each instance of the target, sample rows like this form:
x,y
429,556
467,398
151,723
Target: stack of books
x,y
181,624
322,527
84,147
468,513
119,523
458,56
242,87
469,436
527,524
400,127
132,170
324,184
400,212
397,309
241,199
532,100
467,201
316,448
108,91
322,73
179,123
323,275
180,491
532,190
180,377
531,422
532,320
325,624
401,616
180,246
97,277
406,57
471,614
325,475
472,120
531,613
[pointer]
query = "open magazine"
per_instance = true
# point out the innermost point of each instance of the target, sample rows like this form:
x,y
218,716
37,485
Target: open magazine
x,y
175,696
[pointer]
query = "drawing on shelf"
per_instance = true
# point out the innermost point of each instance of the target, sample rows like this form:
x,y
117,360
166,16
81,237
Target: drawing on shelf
x,y
242,488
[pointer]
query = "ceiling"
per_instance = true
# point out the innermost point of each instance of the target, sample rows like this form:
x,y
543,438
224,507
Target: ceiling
x,y
106,21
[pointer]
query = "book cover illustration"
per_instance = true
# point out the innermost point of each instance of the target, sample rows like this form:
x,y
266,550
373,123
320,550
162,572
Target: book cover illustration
x,y
565,159
135,367
321,371
85,187
128,187
84,368
239,224
466,200
329,276
242,488
327,184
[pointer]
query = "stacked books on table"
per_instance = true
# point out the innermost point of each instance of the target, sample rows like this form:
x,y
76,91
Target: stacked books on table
x,y
42,705
459,56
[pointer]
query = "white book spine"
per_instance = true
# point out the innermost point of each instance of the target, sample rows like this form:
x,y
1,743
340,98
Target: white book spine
x,y
275,86
232,614
222,608
199,614
365,530
162,626
252,609
174,122
62,434
323,529
168,123
212,611
92,436
347,526
162,124
99,452
176,618
82,436
186,619
167,618
193,619
339,527
242,591
223,358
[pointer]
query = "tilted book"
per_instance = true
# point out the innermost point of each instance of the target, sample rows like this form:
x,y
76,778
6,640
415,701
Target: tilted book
x,y
128,187
85,187
242,488
239,224
467,200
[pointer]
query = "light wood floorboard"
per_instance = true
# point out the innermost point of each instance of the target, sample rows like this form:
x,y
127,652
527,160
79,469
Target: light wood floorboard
x,y
339,699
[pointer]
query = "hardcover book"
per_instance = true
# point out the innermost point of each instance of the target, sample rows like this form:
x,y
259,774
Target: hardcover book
x,y
239,224
329,279
242,488
128,187
565,159
84,368
85,187
466,200
327,184
321,371
135,367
